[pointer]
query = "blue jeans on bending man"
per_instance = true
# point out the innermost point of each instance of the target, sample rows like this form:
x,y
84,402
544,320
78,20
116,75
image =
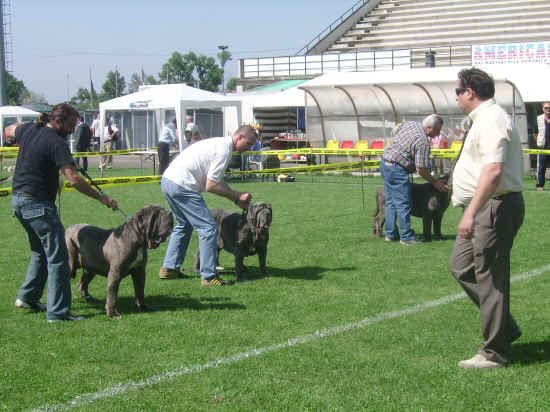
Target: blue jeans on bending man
x,y
398,201
191,212
49,256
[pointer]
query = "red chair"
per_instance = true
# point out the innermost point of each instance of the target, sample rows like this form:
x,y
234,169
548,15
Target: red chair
x,y
347,144
377,144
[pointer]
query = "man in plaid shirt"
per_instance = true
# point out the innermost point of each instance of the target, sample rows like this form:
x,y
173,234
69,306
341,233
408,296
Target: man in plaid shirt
x,y
408,152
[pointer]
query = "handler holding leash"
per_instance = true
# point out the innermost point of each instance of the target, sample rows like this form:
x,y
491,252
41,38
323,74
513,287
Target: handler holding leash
x,y
409,151
200,168
487,184
43,152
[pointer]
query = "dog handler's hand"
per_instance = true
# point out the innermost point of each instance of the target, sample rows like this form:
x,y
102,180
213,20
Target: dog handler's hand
x,y
107,201
243,200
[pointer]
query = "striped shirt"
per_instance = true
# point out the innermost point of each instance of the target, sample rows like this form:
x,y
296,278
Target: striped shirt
x,y
410,148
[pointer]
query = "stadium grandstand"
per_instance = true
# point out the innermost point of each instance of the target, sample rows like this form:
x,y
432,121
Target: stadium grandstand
x,y
387,34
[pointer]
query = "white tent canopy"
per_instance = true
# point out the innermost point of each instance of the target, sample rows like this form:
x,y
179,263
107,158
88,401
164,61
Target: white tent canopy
x,y
177,97
251,100
366,105
12,114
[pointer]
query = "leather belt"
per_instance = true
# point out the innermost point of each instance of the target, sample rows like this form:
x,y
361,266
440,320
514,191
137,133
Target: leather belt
x,y
505,195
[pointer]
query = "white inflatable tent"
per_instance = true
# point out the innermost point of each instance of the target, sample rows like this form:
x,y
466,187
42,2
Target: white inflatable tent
x,y
366,105
177,97
12,114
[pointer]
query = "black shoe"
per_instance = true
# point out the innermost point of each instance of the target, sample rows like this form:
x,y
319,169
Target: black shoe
x,y
37,306
69,317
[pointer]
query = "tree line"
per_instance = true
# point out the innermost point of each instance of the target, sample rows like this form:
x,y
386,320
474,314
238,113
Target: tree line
x,y
194,70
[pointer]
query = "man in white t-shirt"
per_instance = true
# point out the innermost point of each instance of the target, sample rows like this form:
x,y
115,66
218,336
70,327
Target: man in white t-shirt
x,y
96,133
197,169
167,137
487,184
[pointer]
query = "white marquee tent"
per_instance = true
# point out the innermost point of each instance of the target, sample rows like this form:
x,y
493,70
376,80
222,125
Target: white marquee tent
x,y
176,97
12,114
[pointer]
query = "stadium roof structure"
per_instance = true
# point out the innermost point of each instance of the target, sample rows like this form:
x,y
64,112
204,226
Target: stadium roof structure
x,y
365,105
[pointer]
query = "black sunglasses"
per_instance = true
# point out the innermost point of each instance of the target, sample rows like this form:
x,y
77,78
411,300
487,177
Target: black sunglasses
x,y
546,108
460,90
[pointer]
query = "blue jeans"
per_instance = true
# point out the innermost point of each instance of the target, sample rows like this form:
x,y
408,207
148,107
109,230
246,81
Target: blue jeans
x,y
191,212
49,257
398,200
542,161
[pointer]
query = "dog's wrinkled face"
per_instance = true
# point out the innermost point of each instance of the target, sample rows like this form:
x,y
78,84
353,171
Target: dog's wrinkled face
x,y
259,215
156,225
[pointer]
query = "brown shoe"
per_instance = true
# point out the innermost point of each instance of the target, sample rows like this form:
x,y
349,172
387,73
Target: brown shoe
x,y
214,281
165,273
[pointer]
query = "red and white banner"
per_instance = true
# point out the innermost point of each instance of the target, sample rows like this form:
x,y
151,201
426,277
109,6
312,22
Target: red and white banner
x,y
510,53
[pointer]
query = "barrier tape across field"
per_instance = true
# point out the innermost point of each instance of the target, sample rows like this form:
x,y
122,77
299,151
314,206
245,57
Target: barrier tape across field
x,y
11,152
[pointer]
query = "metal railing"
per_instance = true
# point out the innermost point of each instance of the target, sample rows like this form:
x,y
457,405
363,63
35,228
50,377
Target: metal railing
x,y
314,65
337,22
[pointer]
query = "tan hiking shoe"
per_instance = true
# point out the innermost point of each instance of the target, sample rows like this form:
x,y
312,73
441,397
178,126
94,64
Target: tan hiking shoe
x,y
215,281
165,273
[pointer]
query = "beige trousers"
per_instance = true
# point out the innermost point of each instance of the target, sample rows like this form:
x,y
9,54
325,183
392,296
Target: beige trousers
x,y
481,265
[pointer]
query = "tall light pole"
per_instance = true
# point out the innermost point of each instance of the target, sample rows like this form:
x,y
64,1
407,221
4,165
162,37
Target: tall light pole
x,y
223,56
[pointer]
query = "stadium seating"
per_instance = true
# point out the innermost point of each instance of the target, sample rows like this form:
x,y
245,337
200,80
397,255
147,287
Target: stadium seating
x,y
438,25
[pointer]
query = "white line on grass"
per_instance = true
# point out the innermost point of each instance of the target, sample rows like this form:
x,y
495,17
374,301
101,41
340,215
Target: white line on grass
x,y
121,388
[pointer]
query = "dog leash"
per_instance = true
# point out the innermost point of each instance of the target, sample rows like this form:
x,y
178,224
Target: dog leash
x,y
94,184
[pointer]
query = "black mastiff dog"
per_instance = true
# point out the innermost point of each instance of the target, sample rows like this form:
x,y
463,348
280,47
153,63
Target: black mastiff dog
x,y
427,203
243,235
118,252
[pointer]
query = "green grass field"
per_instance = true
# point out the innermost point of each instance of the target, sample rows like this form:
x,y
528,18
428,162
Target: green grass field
x,y
339,326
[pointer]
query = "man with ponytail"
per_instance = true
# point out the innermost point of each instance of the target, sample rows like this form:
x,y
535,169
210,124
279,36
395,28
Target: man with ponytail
x,y
43,153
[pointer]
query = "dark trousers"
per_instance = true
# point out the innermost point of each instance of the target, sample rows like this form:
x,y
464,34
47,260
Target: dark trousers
x,y
164,156
481,265
84,163
542,161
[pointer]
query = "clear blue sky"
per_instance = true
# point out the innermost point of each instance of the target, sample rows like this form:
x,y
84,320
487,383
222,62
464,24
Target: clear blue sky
x,y
57,42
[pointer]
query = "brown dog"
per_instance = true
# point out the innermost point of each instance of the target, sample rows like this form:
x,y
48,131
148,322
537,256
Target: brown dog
x,y
118,252
243,235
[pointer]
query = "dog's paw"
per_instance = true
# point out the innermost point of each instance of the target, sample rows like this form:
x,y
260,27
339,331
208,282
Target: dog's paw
x,y
113,313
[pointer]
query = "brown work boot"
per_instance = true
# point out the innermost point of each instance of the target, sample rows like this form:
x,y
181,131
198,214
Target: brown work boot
x,y
165,273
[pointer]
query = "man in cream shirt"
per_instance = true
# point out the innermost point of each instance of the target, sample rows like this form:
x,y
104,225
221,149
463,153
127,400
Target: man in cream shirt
x,y
197,169
487,183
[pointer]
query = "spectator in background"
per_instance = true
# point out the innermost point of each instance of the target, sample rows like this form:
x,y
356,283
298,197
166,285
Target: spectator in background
x,y
543,142
96,133
438,142
82,136
408,152
110,138
191,135
43,153
167,137
487,184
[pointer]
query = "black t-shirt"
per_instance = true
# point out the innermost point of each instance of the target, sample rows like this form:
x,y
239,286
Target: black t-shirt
x,y
41,153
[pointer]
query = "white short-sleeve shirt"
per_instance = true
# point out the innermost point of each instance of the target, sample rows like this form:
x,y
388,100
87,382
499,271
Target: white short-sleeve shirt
x,y
205,159
491,139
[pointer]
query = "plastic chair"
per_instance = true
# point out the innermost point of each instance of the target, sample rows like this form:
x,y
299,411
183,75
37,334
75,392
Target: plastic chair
x,y
332,144
362,144
456,145
347,144
377,144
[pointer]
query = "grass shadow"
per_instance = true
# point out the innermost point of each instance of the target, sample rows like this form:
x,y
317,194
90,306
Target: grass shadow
x,y
531,352
163,303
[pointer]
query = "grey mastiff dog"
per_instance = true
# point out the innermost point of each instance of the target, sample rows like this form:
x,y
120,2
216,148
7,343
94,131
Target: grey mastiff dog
x,y
117,253
243,235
